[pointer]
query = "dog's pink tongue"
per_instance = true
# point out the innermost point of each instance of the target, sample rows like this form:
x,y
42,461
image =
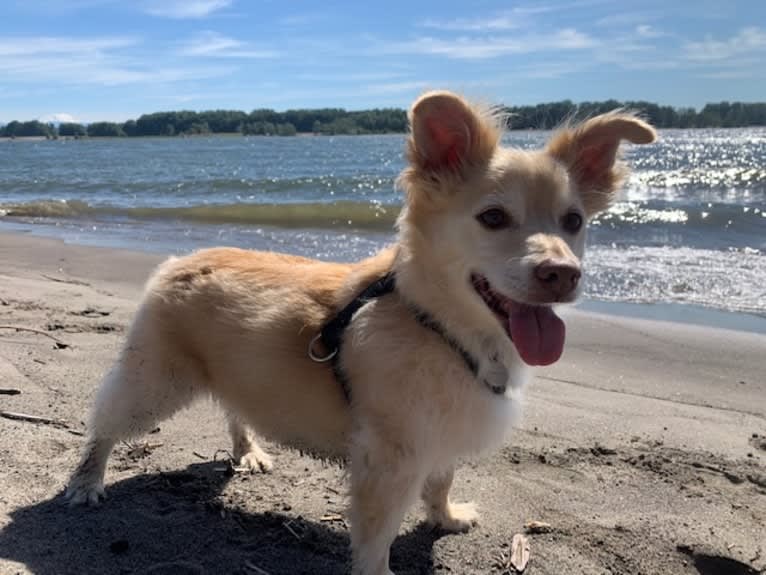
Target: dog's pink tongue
x,y
538,334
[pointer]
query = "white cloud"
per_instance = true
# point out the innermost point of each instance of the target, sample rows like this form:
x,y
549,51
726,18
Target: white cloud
x,y
214,45
736,74
29,46
88,61
550,69
622,19
504,21
473,48
748,40
519,16
59,117
184,9
397,87
647,31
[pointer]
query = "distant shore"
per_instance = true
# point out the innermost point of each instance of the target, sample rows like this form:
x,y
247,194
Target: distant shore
x,y
4,139
337,121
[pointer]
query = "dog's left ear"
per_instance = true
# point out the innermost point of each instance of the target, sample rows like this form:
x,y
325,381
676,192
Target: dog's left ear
x,y
450,135
590,151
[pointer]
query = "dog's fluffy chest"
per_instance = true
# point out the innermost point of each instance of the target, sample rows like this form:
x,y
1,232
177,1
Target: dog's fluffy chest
x,y
420,387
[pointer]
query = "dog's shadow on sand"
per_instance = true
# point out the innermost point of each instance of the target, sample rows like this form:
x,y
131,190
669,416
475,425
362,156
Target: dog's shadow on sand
x,y
175,523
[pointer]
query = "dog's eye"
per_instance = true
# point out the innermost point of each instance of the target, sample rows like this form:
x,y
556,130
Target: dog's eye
x,y
572,222
494,219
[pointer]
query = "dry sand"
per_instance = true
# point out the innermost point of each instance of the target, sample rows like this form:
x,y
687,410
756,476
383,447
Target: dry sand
x,y
643,447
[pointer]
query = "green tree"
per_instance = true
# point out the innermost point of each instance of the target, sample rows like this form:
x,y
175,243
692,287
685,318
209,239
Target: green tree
x,y
32,128
105,130
130,128
286,129
72,130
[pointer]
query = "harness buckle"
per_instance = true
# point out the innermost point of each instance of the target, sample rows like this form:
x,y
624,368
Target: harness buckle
x,y
318,358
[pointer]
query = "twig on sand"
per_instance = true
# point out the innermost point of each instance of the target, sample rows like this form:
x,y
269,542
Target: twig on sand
x,y
65,281
32,418
519,552
253,567
59,344
334,518
225,452
535,527
141,450
198,454
286,525
9,391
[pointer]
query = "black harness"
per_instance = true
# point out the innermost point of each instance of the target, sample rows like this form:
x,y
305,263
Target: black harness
x,y
332,333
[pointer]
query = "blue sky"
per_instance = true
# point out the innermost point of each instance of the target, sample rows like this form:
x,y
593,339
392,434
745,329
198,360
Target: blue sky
x,y
93,60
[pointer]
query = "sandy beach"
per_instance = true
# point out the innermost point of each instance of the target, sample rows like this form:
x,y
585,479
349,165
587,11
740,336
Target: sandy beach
x,y
644,448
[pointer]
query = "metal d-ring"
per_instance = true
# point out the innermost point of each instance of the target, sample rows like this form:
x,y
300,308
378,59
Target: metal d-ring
x,y
318,358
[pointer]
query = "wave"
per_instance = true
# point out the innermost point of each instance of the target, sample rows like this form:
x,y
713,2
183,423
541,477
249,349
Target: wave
x,y
309,187
728,280
701,217
367,215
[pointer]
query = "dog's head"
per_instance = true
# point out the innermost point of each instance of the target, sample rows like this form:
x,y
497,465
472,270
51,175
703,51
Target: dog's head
x,y
503,225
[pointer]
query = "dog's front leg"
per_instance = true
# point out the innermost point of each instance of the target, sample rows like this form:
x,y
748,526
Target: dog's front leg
x,y
384,483
452,517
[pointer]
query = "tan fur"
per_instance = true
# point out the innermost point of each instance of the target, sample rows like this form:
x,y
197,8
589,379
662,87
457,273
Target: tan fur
x,y
237,324
600,135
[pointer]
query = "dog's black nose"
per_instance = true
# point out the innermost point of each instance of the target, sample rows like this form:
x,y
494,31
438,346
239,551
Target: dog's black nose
x,y
557,278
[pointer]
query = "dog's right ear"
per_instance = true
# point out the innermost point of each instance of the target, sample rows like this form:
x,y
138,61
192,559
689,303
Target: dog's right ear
x,y
448,135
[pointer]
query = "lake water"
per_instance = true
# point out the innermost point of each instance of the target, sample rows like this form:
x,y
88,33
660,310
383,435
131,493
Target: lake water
x,y
690,227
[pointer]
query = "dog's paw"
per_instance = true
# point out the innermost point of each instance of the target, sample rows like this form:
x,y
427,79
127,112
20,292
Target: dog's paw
x,y
457,518
256,460
81,492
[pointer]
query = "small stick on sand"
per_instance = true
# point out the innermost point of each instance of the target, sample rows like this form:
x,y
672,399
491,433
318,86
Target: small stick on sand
x,y
32,418
286,525
65,281
9,391
535,527
250,565
519,552
59,343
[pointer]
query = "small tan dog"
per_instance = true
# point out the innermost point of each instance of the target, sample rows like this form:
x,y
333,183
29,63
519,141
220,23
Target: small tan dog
x,y
488,239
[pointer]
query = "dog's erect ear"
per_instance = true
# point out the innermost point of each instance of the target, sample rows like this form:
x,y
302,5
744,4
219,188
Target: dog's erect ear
x,y
590,151
448,134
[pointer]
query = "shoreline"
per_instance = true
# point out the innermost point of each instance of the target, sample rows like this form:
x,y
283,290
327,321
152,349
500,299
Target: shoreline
x,y
181,136
670,312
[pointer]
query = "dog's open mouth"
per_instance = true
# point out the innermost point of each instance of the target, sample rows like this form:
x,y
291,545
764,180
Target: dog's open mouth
x,y
536,331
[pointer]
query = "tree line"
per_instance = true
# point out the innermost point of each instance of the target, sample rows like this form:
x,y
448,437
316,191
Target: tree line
x,y
331,121
718,115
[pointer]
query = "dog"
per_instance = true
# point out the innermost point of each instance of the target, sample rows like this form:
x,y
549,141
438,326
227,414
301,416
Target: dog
x,y
427,369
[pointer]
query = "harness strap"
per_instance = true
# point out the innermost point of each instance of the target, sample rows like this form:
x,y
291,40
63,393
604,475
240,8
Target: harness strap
x,y
427,320
332,333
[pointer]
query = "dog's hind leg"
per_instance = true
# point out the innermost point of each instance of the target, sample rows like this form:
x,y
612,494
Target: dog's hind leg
x,y
145,387
452,517
246,451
